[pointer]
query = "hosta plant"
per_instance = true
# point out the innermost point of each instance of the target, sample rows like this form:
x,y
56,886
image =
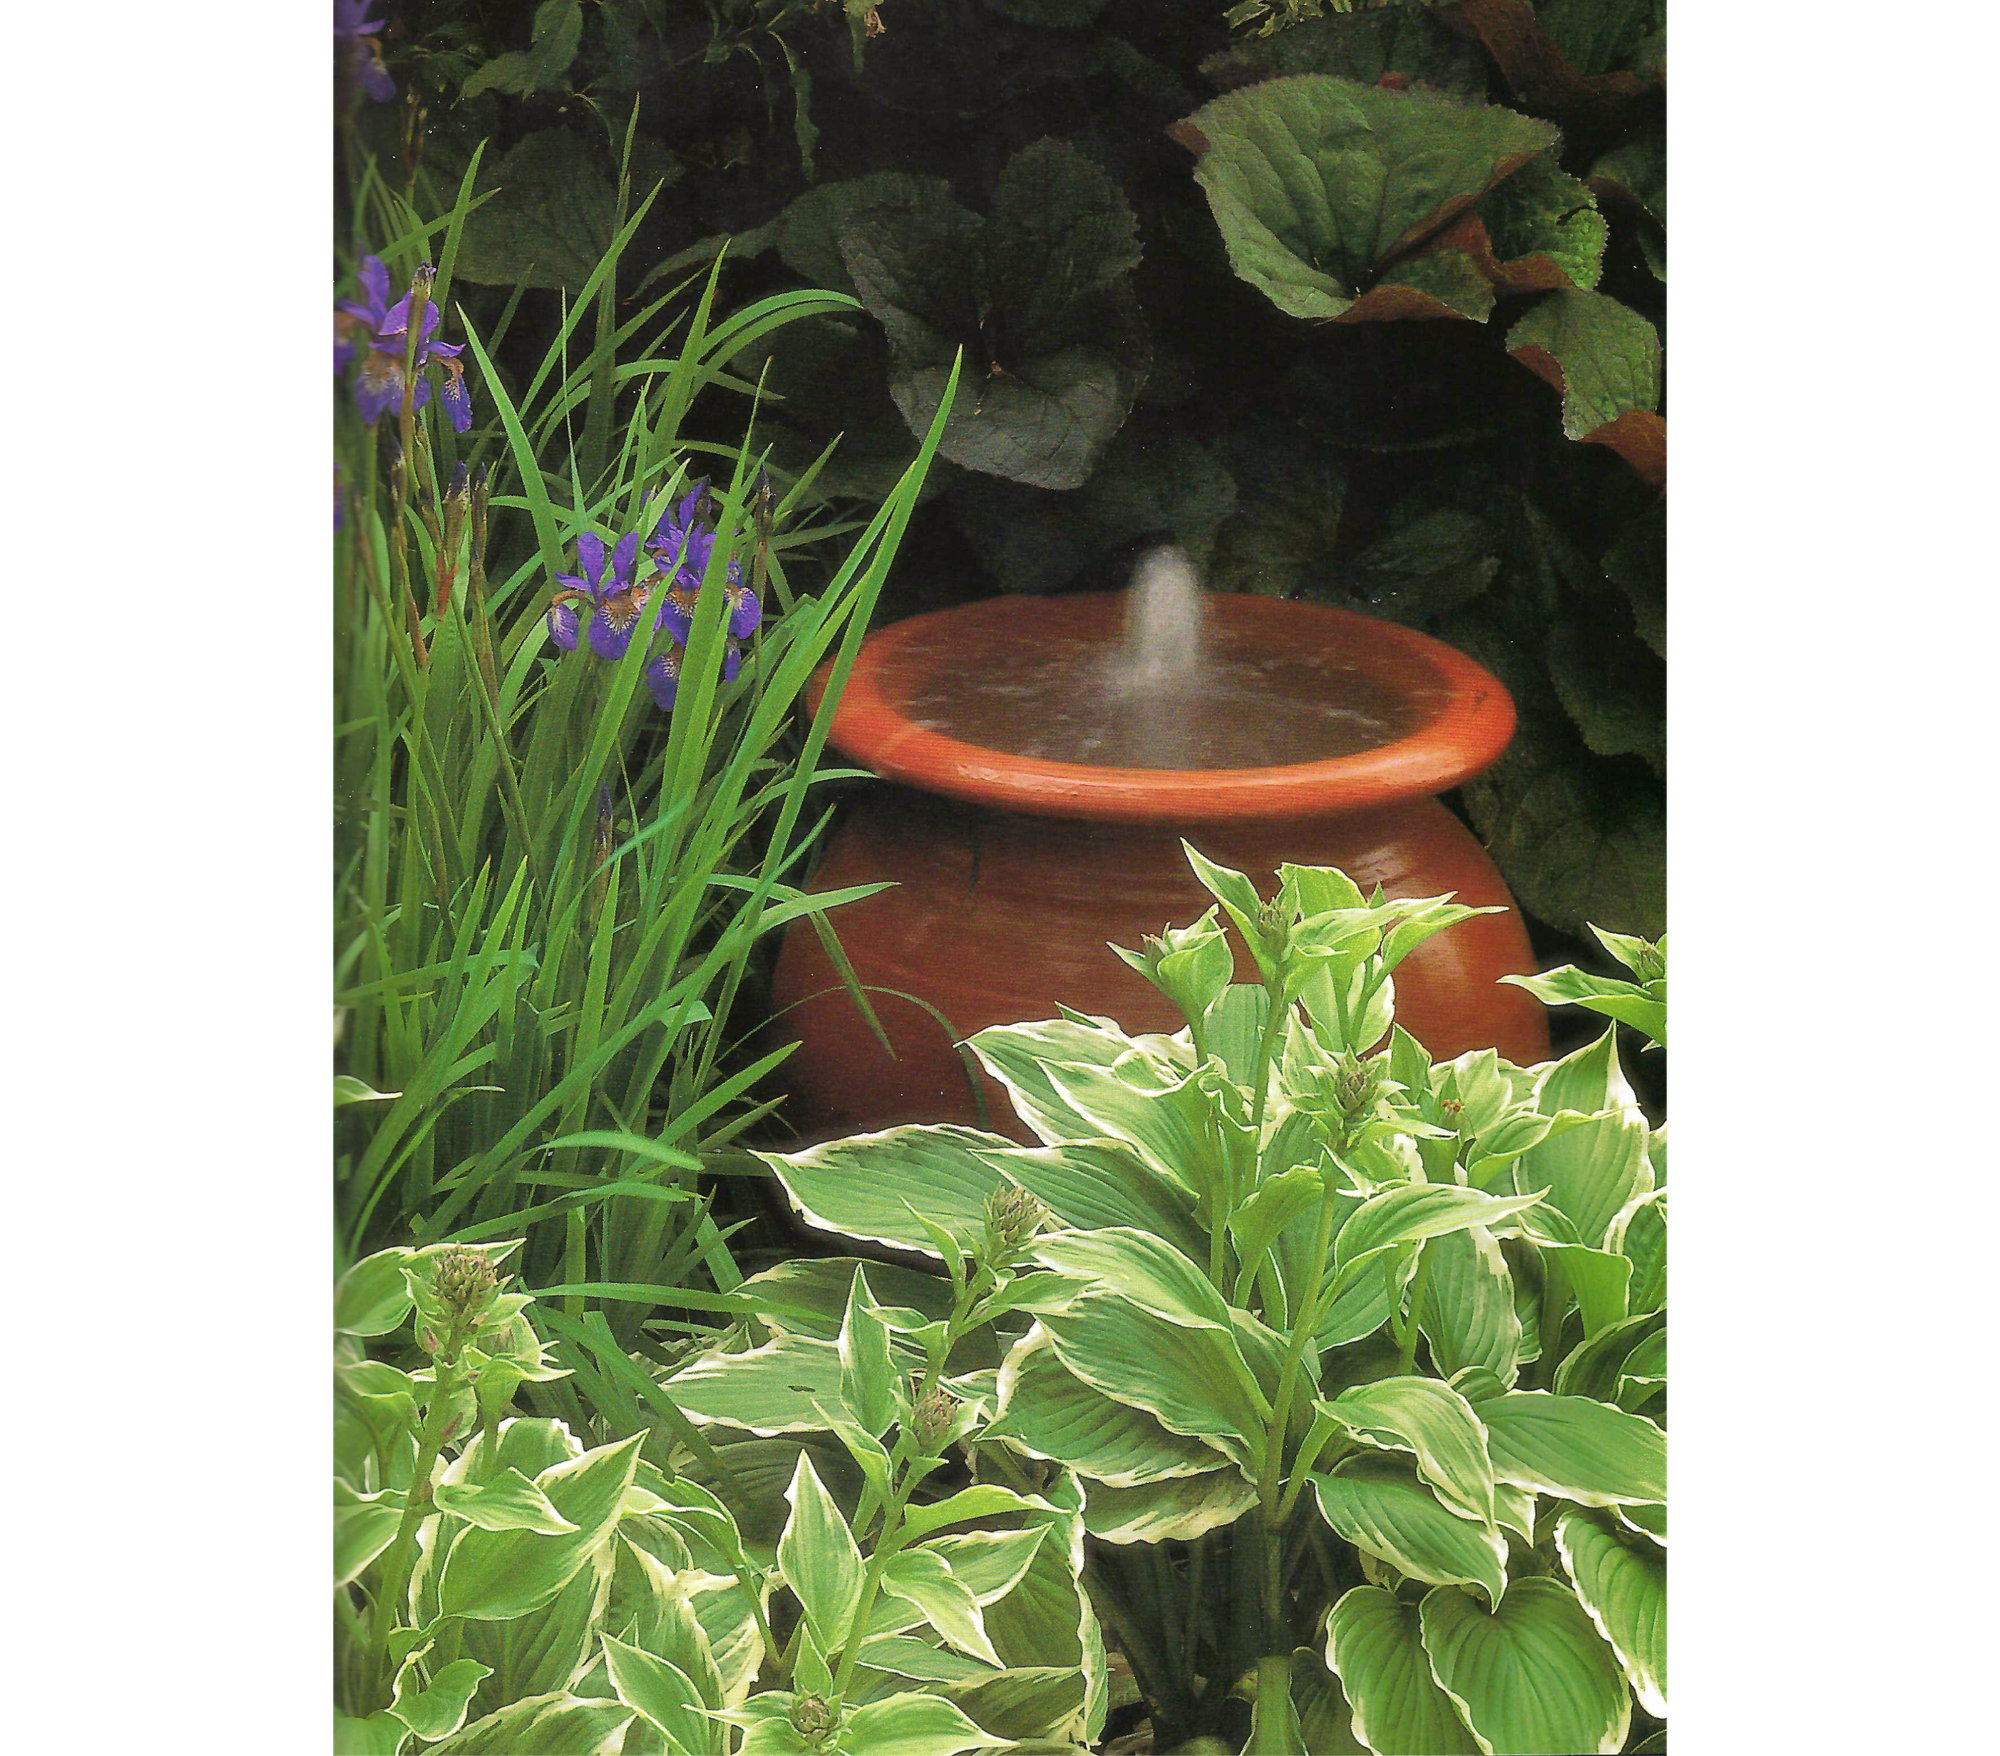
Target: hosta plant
x,y
501,1587
1353,1362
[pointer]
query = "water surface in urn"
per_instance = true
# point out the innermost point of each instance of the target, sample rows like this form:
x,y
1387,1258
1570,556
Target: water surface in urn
x,y
1061,697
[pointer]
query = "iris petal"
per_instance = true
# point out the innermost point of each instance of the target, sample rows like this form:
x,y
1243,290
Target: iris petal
x,y
590,551
623,556
374,279
663,678
562,626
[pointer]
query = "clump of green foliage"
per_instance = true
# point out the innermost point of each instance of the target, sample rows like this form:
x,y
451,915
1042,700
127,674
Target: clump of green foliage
x,y
1355,1363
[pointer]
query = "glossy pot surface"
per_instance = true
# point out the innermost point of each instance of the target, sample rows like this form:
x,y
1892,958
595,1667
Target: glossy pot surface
x,y
1013,875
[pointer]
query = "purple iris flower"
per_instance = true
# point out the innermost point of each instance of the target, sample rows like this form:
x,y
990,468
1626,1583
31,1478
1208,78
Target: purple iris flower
x,y
617,600
378,389
663,675
616,603
353,26
680,546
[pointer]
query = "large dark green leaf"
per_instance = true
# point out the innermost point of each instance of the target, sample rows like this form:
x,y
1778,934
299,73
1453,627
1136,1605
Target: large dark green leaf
x,y
1036,296
553,212
1607,354
809,230
558,29
1318,183
1544,229
1281,541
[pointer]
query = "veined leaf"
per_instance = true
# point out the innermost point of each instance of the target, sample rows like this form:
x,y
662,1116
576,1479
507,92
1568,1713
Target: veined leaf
x,y
662,1695
873,1186
817,1556
914,1725
1532,1674
435,1709
1621,1580
1468,1316
1381,1506
1046,1411
1432,1421
557,1724
1179,1509
1375,1645
1194,1381
1317,183
1575,1448
507,1501
1144,1272
924,1579
768,1390
491,1575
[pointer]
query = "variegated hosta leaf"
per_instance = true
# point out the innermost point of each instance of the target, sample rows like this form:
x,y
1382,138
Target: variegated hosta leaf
x,y
1383,1508
768,1390
546,1649
818,1557
1407,1213
1375,1645
659,1617
873,1186
1621,1580
1196,1382
557,1724
1575,1448
1032,1703
1434,1423
1468,1316
1142,1270
728,1621
1651,1520
913,1725
663,1696
1325,1723
1529,1675
1594,1368
1088,1184
923,1579
1046,1619
990,1563
1018,1054
495,1574
1181,1509
808,1296
1639,1233
1593,1169
1046,1411
1598,1280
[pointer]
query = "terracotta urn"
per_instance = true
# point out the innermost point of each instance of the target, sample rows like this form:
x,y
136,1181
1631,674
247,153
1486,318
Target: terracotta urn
x,y
1013,873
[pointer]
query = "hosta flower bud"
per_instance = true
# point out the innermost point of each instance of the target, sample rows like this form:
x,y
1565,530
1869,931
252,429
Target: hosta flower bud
x,y
465,1283
931,1421
1652,964
1356,1084
814,1718
1451,1113
1013,1216
1274,927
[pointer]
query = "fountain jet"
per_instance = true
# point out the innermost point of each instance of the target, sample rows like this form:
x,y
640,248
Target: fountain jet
x,y
1164,613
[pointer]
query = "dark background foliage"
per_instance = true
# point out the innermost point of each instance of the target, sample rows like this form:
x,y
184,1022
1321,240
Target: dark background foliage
x,y
1018,177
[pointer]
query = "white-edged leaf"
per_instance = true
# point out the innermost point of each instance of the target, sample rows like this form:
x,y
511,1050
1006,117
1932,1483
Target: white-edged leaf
x,y
507,1501
1432,1421
1532,1675
1574,1447
1177,1510
1621,1580
1384,1508
1374,1644
817,1556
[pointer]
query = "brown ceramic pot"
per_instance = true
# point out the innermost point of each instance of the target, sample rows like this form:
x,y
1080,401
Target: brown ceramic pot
x,y
1013,874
